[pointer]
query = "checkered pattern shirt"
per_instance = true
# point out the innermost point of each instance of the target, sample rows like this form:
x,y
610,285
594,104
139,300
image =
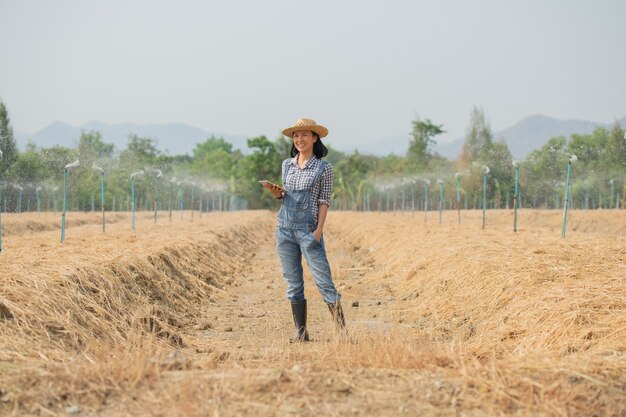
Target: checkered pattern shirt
x,y
297,178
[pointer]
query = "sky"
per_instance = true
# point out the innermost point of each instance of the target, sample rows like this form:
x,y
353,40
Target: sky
x,y
364,69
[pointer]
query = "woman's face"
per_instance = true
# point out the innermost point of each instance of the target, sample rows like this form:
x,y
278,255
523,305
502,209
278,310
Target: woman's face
x,y
304,141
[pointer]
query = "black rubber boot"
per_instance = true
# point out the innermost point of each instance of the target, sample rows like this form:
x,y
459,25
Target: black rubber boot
x,y
298,310
337,312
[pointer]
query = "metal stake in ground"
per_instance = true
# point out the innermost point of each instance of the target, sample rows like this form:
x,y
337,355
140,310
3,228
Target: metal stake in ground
x,y
0,211
457,178
426,184
515,196
99,169
67,167
440,182
159,173
485,171
132,187
572,158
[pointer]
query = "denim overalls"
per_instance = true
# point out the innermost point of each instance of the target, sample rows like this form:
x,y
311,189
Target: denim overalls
x,y
294,238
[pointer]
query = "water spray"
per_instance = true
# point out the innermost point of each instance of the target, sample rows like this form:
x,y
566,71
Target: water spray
x,y
101,171
67,167
572,159
180,196
0,212
37,190
412,199
440,182
18,208
516,195
457,180
612,184
426,184
132,192
193,188
172,182
485,171
159,174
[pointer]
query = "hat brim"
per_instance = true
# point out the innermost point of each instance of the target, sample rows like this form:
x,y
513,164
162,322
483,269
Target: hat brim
x,y
320,130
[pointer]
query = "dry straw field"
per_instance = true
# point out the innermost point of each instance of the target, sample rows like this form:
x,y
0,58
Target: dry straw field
x,y
189,318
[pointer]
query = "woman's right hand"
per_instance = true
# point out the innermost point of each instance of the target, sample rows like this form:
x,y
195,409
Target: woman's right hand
x,y
276,191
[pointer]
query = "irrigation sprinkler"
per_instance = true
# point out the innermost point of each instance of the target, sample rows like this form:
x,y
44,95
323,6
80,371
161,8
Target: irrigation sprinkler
x,y
101,171
18,207
180,195
159,174
0,211
485,171
426,184
457,180
412,182
516,195
132,192
54,198
172,182
193,188
572,158
67,167
441,203
201,199
37,190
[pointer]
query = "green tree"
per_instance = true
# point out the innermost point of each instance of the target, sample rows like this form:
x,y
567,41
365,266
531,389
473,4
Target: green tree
x,y
420,147
7,141
479,137
213,157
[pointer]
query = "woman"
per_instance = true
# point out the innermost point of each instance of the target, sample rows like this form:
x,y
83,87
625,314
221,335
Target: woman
x,y
307,186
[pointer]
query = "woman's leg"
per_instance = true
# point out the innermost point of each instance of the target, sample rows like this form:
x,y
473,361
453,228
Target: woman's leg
x,y
291,263
315,255
290,258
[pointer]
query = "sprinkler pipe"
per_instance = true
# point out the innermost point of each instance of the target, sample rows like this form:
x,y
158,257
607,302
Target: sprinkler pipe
x,y
0,211
99,169
18,208
132,193
457,180
67,167
54,199
172,181
516,196
572,158
193,188
180,197
38,199
159,174
426,184
412,198
440,182
485,170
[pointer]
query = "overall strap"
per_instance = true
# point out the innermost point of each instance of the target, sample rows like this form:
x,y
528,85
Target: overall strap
x,y
285,169
319,172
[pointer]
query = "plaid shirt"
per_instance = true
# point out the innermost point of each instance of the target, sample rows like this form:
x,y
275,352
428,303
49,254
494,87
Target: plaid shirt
x,y
300,179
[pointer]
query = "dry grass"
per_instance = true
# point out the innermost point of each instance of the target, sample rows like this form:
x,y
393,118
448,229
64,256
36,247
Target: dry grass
x,y
188,319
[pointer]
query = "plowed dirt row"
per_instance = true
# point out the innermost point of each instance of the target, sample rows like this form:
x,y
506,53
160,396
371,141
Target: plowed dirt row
x,y
190,319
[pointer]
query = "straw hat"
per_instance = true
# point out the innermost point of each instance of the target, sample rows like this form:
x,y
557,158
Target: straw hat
x,y
306,124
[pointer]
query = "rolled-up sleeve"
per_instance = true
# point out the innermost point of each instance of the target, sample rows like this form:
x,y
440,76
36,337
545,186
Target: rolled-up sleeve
x,y
326,186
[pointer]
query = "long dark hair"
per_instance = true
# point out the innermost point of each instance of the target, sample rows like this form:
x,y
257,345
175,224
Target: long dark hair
x,y
319,150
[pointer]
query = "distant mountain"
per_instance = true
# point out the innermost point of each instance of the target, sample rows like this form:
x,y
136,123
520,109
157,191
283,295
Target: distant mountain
x,y
529,134
177,138
522,138
174,138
